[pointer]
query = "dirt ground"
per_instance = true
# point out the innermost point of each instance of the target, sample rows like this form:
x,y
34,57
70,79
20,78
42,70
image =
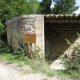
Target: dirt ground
x,y
13,72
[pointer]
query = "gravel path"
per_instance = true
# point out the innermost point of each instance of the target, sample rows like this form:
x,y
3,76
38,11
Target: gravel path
x,y
8,72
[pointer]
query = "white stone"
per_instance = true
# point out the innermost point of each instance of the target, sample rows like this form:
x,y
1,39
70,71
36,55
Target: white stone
x,y
57,65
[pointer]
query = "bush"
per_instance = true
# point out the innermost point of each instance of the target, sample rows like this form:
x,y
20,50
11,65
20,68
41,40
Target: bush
x,y
73,62
19,52
4,47
35,53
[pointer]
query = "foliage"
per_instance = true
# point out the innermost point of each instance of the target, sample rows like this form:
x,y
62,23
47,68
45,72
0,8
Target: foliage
x,y
60,6
45,6
64,6
4,47
19,51
14,8
73,62
33,6
35,53
10,58
42,67
72,74
68,42
1,28
39,67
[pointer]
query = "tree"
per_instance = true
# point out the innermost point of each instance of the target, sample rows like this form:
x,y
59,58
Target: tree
x,y
10,9
14,8
33,6
45,6
64,6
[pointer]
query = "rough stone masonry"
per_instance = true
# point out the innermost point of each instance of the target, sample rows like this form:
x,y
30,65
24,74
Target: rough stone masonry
x,y
26,29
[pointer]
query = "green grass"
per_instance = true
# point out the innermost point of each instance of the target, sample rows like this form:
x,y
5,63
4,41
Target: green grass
x,y
10,58
73,74
39,67
42,67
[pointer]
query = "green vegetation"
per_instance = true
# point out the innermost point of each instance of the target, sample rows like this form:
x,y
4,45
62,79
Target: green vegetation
x,y
10,9
1,28
64,6
73,62
45,6
60,6
40,66
4,47
10,58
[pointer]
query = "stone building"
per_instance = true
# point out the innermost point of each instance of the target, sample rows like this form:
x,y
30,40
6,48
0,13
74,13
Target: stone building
x,y
48,32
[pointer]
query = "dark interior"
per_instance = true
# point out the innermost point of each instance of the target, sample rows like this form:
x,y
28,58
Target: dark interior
x,y
56,31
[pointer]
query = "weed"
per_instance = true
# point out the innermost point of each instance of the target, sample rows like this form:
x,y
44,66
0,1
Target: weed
x,y
42,67
72,74
45,79
20,64
35,53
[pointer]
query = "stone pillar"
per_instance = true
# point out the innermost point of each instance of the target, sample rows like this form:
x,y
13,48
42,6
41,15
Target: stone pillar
x,y
39,25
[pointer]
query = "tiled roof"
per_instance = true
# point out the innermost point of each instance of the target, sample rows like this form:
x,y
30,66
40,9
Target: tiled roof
x,y
62,18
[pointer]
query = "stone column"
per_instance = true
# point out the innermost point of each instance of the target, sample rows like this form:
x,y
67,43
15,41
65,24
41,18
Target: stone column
x,y
39,25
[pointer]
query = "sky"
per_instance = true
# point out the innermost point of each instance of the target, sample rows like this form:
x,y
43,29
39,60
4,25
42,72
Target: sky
x,y
77,4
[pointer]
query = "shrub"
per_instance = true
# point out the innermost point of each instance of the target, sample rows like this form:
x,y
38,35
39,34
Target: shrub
x,y
4,47
35,53
19,52
73,62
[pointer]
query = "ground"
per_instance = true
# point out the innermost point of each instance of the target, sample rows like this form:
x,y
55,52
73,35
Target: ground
x,y
14,72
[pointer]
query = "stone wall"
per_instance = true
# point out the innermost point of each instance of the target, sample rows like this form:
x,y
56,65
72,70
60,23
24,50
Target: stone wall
x,y
26,24
15,31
